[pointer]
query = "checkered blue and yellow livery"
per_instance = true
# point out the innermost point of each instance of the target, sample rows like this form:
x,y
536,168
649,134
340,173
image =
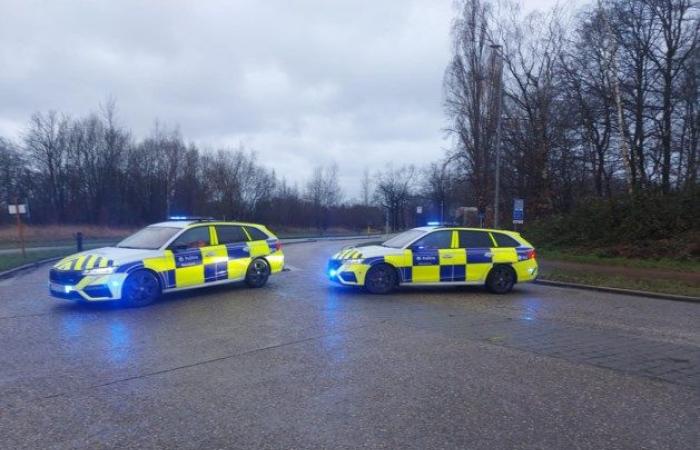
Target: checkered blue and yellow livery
x,y
169,256
438,256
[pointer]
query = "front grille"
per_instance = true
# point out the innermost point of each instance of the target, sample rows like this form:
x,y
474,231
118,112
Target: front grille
x,y
98,291
70,277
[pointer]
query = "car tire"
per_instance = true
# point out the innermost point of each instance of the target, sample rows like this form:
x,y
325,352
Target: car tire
x,y
257,274
380,279
140,288
501,279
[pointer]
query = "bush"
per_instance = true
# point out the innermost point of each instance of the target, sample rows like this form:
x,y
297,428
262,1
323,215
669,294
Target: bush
x,y
646,225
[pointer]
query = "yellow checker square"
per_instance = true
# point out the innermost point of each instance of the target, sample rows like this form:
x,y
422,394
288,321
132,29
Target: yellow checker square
x,y
504,255
426,274
400,260
478,271
258,248
160,264
276,261
237,268
188,276
451,257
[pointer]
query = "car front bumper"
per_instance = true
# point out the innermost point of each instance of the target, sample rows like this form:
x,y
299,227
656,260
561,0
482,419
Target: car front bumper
x,y
346,274
72,285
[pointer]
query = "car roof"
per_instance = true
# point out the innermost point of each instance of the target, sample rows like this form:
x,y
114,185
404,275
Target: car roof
x,y
437,227
188,223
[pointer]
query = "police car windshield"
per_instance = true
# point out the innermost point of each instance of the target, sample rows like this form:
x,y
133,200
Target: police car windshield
x,y
403,239
150,238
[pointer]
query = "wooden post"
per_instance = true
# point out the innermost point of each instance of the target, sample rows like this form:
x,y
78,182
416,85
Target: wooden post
x,y
20,229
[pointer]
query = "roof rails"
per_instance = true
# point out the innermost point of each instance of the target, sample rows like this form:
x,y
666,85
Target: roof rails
x,y
191,218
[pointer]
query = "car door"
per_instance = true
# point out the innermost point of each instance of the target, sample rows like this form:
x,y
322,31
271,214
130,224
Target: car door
x,y
191,251
234,242
429,254
479,249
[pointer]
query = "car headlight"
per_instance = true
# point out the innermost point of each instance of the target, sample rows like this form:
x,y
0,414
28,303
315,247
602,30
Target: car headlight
x,y
99,271
351,262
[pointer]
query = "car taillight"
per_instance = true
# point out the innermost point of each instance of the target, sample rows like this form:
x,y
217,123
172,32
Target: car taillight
x,y
532,254
278,246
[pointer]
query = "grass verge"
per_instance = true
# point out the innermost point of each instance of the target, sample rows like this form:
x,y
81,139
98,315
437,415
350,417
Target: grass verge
x,y
664,286
587,257
12,260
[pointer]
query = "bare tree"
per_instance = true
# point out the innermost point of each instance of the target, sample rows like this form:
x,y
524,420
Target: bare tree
x,y
393,192
323,192
366,187
471,95
679,31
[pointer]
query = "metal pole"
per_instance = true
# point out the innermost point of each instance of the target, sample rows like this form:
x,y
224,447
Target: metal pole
x,y
20,230
497,187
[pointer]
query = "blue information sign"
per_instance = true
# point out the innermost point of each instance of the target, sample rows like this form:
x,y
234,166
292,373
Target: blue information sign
x,y
518,210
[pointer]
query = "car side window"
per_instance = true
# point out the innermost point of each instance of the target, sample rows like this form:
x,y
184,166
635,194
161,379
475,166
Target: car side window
x,y
435,240
193,238
474,239
230,234
256,234
503,240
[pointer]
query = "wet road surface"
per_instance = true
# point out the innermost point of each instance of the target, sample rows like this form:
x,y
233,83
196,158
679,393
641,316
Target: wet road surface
x,y
304,364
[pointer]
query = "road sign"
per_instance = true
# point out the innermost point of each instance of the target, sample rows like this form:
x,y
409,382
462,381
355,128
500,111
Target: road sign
x,y
18,209
518,210
12,209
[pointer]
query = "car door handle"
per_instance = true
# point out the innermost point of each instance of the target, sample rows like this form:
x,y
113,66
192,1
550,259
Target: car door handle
x,y
210,254
447,256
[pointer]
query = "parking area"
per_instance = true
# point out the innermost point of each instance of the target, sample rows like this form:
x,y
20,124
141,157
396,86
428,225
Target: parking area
x,y
303,363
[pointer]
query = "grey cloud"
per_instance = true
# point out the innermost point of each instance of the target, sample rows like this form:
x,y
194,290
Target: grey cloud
x,y
301,83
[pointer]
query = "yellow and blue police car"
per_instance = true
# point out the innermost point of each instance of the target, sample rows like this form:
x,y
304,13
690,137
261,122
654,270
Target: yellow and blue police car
x,y
438,255
182,253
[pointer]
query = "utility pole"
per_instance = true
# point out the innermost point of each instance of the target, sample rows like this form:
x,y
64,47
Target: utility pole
x,y
499,102
20,228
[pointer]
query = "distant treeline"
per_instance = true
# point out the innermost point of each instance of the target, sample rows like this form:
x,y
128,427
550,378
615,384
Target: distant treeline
x,y
599,118
92,170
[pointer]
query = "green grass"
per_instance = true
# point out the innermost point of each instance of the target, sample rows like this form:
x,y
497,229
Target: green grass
x,y
60,243
15,260
664,286
591,257
12,260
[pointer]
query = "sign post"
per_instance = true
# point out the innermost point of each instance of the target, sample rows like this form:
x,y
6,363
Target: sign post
x,y
18,210
518,212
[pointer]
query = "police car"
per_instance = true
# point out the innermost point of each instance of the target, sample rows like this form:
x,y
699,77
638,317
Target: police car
x,y
438,256
169,256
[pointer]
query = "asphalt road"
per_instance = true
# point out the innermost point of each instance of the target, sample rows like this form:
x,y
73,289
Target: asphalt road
x,y
304,364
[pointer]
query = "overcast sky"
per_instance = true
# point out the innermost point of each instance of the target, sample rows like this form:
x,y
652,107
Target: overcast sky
x,y
300,82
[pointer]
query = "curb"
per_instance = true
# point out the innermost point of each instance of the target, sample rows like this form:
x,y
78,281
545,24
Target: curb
x,y
291,241
612,290
12,272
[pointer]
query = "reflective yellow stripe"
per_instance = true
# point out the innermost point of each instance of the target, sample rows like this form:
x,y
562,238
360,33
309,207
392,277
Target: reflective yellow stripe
x,y
90,262
103,262
79,263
